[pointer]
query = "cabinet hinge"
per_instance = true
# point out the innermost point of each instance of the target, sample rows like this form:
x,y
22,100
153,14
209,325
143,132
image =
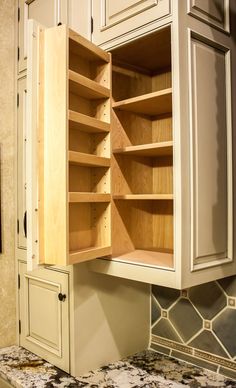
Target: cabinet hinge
x,y
18,281
18,14
19,326
18,226
18,100
91,24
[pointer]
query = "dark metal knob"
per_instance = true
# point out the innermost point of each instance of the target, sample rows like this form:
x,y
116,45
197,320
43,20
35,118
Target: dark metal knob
x,y
61,297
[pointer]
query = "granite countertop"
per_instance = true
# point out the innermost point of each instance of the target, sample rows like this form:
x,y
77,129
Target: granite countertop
x,y
148,369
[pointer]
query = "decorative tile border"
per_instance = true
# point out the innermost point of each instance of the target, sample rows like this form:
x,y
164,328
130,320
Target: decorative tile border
x,y
198,354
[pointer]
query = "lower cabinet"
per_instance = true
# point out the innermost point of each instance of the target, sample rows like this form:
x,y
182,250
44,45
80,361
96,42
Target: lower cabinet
x,y
44,314
80,320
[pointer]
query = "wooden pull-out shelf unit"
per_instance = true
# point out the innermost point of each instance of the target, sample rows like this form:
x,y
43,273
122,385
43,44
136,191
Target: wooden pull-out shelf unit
x,y
105,196
75,148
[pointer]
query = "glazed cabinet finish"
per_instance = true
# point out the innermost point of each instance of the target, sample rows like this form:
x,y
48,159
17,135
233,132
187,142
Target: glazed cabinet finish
x,y
44,318
215,13
114,19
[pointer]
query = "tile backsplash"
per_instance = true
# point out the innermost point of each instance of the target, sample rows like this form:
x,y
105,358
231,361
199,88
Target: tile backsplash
x,y
197,324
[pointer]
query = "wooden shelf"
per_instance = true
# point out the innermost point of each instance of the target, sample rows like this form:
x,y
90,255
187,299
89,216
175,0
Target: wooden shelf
x,y
162,197
155,103
146,257
85,87
164,148
87,124
88,160
88,197
87,49
88,254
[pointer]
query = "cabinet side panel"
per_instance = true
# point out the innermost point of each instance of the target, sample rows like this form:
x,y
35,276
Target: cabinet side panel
x,y
210,173
55,146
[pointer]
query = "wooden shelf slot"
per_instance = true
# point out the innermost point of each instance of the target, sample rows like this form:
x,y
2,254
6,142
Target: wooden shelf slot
x,y
89,197
161,197
164,148
87,49
88,160
88,254
155,103
86,123
85,87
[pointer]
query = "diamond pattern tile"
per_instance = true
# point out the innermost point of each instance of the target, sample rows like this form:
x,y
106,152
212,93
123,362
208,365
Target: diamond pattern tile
x,y
164,329
156,311
224,327
208,298
165,296
207,342
185,319
229,285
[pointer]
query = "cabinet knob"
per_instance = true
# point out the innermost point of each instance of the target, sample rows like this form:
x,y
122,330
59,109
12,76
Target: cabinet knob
x,y
61,297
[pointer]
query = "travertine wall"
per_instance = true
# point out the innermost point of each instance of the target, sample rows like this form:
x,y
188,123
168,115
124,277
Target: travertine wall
x,y
8,153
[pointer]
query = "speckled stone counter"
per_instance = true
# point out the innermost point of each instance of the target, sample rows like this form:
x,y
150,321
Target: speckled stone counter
x,y
148,369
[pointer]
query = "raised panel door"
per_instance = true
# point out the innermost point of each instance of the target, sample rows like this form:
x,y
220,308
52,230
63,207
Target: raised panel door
x,y
45,318
115,18
215,13
211,170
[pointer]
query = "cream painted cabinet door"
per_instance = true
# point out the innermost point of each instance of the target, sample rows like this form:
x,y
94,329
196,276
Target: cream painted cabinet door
x,y
75,13
47,12
214,13
112,18
44,314
21,165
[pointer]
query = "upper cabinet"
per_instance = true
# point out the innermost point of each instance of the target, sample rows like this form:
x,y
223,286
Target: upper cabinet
x,y
114,20
142,180
215,13
77,14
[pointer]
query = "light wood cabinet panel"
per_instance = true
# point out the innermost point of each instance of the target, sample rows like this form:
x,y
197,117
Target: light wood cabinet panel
x,y
21,164
112,19
215,13
44,318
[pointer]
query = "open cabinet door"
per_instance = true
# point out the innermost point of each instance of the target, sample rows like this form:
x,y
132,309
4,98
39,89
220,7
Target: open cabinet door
x,y
32,144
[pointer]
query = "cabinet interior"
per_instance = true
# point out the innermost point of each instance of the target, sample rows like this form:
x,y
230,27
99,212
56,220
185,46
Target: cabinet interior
x,y
142,151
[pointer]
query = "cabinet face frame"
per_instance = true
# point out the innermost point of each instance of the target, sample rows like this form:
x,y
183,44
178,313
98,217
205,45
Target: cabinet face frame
x,y
214,261
200,14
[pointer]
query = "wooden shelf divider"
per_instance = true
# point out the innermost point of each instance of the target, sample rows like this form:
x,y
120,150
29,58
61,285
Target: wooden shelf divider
x,y
155,103
161,197
88,160
75,197
164,148
85,87
86,123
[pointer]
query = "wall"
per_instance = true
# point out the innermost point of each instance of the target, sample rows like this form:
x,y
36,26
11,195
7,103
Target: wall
x,y
7,131
198,324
